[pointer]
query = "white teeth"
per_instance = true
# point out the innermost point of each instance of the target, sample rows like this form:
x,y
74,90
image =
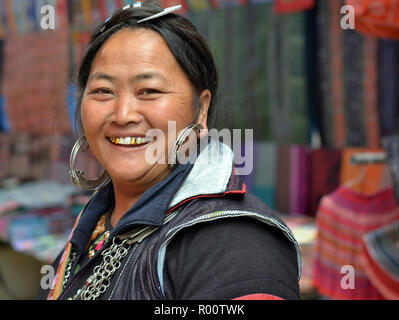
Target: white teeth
x,y
139,140
126,140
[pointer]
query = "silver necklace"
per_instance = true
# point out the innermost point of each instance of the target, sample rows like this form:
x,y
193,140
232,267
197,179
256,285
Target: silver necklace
x,y
100,280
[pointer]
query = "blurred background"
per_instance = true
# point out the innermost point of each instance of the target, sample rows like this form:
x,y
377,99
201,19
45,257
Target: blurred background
x,y
316,80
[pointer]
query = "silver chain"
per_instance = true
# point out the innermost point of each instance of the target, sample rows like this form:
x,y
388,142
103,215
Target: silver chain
x,y
100,280
69,267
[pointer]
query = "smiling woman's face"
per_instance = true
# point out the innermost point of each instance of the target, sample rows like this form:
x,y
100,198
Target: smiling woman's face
x,y
135,84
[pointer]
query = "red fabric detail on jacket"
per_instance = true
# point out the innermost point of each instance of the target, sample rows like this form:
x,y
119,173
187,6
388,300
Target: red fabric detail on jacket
x,y
258,296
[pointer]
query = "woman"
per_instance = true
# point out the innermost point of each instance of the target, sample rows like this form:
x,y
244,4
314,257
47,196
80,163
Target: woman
x,y
163,229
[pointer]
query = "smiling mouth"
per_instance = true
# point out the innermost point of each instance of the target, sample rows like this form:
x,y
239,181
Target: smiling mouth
x,y
130,141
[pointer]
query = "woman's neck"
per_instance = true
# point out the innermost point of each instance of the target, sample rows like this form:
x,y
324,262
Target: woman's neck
x,y
125,198
126,195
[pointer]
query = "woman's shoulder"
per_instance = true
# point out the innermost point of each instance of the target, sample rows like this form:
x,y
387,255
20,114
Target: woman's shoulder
x,y
228,258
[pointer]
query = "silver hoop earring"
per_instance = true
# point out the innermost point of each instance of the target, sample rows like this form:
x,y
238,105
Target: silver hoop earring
x,y
77,175
179,141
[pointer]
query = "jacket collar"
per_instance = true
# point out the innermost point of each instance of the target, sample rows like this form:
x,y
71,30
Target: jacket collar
x,y
213,174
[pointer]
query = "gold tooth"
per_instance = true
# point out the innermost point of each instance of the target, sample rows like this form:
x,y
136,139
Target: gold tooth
x,y
117,140
133,141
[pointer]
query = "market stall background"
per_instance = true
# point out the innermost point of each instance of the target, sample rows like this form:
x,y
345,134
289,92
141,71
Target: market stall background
x,y
314,93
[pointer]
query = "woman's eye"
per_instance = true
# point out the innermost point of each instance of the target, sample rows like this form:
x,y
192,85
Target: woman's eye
x,y
149,91
101,91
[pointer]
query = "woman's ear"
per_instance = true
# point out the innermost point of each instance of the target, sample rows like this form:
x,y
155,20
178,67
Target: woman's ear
x,y
204,100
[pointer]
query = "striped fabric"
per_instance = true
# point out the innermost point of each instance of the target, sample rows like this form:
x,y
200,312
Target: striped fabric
x,y
381,259
370,92
342,219
337,87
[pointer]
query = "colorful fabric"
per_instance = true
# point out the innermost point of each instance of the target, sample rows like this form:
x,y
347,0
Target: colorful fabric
x,y
370,92
98,238
377,17
44,70
324,174
381,259
353,85
288,96
388,62
286,6
57,284
337,87
323,69
343,217
299,174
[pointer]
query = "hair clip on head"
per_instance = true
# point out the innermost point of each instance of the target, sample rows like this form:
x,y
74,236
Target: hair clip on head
x,y
162,13
154,16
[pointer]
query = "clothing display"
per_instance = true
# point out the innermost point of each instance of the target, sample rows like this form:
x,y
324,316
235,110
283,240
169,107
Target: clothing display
x,y
324,171
343,218
381,259
44,70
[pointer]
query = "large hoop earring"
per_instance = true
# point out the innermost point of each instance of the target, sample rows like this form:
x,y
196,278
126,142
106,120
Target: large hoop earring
x,y
173,161
77,175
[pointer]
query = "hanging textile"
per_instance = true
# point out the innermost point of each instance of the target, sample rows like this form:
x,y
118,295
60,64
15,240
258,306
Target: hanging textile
x,y
343,217
381,259
323,67
353,83
288,95
265,166
377,17
388,74
337,88
35,86
261,81
283,195
323,175
299,175
286,6
370,93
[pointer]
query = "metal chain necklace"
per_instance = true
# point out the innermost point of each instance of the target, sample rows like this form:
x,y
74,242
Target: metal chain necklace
x,y
69,267
100,280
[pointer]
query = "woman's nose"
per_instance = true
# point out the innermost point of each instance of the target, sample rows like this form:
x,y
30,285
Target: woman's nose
x,y
126,110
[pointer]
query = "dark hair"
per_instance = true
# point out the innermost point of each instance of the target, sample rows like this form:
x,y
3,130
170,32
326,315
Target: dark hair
x,y
186,44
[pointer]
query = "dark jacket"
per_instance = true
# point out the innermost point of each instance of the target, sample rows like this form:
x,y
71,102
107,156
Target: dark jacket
x,y
189,196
